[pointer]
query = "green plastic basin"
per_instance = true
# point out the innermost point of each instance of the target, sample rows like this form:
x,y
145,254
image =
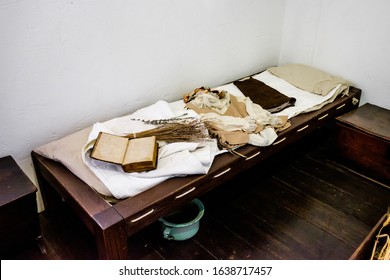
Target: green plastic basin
x,y
182,224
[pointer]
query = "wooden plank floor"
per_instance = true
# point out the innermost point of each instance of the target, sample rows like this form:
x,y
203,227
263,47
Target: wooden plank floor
x,y
301,204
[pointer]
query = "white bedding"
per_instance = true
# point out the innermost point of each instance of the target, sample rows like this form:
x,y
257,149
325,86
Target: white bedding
x,y
174,159
177,159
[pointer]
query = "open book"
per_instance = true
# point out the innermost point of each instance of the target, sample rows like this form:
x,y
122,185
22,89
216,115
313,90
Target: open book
x,y
134,155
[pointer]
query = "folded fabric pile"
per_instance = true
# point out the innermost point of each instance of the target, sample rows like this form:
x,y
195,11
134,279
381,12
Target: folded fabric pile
x,y
310,87
310,79
267,97
266,103
234,120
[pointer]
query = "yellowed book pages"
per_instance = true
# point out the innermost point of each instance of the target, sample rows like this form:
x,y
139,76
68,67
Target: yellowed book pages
x,y
109,148
141,154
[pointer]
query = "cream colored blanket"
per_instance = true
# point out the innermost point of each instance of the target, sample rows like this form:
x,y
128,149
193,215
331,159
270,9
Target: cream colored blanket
x,y
310,79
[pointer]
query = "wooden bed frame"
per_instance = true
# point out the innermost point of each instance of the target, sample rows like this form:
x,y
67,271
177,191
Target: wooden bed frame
x,y
111,225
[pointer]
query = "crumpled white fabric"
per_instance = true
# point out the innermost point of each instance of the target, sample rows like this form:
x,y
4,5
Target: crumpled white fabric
x,y
212,101
175,159
256,115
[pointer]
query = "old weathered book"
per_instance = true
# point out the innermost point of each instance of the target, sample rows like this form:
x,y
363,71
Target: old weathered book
x,y
134,155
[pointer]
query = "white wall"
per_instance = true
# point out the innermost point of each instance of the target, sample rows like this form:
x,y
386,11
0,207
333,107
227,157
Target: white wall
x,y
345,37
66,64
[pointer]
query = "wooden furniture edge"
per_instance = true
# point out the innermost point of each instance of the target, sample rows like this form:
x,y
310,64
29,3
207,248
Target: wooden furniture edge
x,y
103,221
361,252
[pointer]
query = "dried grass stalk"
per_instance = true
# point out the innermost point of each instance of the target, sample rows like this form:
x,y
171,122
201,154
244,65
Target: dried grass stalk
x,y
381,250
188,129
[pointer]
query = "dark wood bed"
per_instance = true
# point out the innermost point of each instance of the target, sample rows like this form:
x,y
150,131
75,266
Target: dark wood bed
x,y
112,224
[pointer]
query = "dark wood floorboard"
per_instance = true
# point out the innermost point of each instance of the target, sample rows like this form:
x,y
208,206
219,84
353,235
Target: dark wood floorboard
x,y
301,204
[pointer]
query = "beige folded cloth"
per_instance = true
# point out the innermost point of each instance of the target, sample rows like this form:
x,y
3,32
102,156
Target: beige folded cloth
x,y
310,79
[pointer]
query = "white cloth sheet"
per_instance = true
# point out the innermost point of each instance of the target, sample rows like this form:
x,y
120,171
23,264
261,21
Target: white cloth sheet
x,y
174,159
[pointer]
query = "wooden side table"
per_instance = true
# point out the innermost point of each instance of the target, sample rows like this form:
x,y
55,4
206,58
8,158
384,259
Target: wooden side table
x,y
19,221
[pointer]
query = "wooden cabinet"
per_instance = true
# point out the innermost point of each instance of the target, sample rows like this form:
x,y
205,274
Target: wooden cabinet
x,y
19,222
363,141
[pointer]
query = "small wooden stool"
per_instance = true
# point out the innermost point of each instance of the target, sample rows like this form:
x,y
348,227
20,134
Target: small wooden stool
x,y
19,221
363,140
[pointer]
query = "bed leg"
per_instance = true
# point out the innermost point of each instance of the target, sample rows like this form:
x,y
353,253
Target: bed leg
x,y
111,239
51,199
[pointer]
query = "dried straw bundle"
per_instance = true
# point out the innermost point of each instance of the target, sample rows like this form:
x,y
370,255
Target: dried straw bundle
x,y
188,129
381,250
